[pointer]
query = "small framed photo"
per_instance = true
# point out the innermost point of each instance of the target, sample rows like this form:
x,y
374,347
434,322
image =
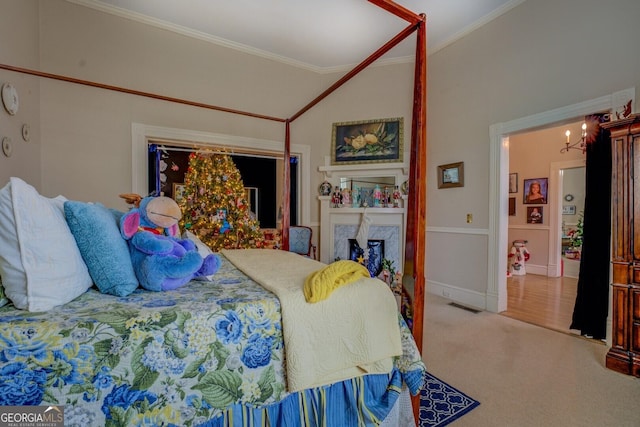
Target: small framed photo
x,y
535,191
513,183
512,206
178,191
451,175
534,215
568,209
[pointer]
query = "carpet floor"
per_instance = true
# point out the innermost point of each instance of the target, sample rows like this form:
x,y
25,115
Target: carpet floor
x,y
441,404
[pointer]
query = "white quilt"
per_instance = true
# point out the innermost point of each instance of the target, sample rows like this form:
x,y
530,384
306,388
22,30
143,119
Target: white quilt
x,y
353,332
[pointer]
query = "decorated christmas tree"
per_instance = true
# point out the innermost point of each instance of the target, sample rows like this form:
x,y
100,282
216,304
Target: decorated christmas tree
x,y
214,206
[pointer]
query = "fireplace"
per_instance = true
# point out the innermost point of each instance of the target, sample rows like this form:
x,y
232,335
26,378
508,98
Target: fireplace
x,y
338,225
373,257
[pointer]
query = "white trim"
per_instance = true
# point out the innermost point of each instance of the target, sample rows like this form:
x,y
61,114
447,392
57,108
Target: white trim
x,y
555,187
498,180
460,295
209,38
200,35
459,230
141,134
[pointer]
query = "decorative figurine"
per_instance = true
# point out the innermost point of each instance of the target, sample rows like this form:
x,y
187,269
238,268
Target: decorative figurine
x,y
336,197
377,196
386,197
346,197
396,197
355,197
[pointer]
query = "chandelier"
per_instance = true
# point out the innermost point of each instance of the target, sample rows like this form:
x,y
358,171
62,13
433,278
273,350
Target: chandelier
x,y
581,144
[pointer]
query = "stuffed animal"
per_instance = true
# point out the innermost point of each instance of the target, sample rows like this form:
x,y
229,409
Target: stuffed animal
x,y
161,260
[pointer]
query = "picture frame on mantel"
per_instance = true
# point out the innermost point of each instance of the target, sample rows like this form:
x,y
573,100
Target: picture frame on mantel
x,y
369,141
451,175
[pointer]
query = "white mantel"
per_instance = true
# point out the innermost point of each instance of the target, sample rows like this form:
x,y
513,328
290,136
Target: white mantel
x,y
337,225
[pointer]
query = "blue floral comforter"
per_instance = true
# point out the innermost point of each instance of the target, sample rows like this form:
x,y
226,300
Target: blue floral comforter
x,y
173,358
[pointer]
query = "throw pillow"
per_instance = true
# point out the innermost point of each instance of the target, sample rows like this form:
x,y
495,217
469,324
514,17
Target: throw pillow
x,y
40,264
102,247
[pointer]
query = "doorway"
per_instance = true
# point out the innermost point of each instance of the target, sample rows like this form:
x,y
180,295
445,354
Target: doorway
x,y
536,289
572,193
496,295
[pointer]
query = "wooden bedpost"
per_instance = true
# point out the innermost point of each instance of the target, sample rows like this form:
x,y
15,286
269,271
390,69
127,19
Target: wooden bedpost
x,y
286,203
416,215
417,206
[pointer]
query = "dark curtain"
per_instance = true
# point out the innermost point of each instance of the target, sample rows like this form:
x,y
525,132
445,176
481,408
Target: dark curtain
x,y
592,300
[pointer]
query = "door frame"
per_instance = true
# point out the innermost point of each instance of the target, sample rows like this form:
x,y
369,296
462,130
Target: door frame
x,y
499,180
555,186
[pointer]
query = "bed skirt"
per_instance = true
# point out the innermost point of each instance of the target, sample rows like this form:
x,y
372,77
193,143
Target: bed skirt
x,y
362,401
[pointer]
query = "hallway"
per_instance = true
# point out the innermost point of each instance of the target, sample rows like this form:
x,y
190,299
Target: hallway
x,y
543,301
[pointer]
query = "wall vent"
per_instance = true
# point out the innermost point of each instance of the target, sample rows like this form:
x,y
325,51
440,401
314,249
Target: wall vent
x,y
473,310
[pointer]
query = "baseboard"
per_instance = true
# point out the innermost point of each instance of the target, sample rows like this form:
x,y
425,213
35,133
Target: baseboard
x,y
541,270
462,296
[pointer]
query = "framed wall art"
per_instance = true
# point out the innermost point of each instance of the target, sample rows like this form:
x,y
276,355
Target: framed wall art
x,y
512,206
535,191
451,175
535,215
513,183
370,141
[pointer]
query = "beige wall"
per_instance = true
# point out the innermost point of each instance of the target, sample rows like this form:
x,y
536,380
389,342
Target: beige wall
x,y
86,131
539,56
19,34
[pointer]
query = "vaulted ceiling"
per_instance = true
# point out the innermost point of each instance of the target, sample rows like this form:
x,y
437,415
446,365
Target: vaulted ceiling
x,y
322,35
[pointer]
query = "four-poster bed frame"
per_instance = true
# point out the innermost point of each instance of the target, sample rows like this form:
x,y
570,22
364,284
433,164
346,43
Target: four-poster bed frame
x,y
414,256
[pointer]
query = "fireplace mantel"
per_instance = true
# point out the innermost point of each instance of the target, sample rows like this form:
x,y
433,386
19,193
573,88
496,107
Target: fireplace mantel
x,y
338,224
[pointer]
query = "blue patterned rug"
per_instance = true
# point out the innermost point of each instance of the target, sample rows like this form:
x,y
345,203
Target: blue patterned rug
x,y
441,404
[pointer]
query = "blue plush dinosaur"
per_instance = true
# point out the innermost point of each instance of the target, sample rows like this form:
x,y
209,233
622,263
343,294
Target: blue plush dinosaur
x,y
161,260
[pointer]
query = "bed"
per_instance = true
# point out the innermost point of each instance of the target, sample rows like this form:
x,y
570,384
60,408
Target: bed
x,y
245,344
144,358
210,352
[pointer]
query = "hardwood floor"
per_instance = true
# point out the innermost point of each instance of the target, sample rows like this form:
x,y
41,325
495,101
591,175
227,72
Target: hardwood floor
x,y
543,301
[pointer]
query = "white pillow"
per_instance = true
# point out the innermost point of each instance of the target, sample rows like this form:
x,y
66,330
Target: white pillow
x,y
203,250
40,263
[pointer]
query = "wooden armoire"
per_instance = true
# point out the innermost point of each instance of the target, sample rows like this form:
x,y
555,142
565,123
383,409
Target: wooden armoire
x,y
624,354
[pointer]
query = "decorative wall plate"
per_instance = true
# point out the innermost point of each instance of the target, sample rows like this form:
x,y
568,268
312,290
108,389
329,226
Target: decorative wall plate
x,y
7,147
26,132
10,98
568,197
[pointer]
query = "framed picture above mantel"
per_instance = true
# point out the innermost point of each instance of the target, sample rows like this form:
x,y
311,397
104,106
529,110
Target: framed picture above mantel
x,y
369,141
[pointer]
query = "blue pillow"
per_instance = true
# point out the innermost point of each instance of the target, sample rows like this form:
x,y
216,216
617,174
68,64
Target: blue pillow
x,y
102,247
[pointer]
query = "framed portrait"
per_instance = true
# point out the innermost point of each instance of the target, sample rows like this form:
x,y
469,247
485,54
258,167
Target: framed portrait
x,y
370,141
513,183
178,191
451,175
535,215
512,206
535,191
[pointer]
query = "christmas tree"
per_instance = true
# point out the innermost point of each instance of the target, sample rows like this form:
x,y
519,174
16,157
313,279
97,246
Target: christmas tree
x,y
214,206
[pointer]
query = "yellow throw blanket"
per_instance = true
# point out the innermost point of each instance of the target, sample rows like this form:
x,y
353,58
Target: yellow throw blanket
x,y
353,333
320,284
